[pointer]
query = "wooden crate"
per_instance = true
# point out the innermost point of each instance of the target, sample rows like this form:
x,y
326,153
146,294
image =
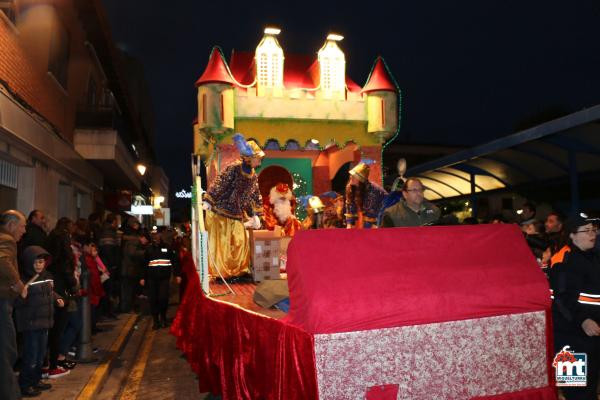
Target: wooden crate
x,y
266,249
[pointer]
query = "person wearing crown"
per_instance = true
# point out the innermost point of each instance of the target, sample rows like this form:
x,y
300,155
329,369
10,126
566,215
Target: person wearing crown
x,y
233,203
314,209
363,199
279,210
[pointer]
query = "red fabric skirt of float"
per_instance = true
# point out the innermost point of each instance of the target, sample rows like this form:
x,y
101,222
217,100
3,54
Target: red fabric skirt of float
x,y
241,354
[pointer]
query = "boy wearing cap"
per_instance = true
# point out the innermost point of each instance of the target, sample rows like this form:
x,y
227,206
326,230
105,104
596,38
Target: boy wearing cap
x,y
363,199
575,282
233,203
34,316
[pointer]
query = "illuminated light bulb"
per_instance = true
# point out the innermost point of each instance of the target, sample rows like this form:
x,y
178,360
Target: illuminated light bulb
x,y
335,37
272,31
141,169
158,200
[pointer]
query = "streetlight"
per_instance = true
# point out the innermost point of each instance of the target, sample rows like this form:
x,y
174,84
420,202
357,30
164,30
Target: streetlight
x,y
158,200
141,169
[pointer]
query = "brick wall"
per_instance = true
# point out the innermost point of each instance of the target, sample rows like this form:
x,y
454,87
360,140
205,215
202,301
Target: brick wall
x,y
24,63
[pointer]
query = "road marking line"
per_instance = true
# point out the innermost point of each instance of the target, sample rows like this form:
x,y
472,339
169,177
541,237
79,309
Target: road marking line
x,y
137,372
101,371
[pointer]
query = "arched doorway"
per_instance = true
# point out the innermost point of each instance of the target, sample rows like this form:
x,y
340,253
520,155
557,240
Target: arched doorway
x,y
339,181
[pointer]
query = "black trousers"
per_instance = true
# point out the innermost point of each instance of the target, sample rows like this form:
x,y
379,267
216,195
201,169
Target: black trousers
x,y
581,343
9,388
61,318
158,293
35,344
130,289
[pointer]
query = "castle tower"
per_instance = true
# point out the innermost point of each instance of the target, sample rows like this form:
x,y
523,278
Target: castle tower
x,y
269,65
382,102
332,69
215,97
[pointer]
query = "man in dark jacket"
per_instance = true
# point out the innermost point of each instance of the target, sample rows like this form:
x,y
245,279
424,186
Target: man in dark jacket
x,y
62,268
109,250
35,232
12,227
554,229
413,209
133,248
160,262
575,281
35,316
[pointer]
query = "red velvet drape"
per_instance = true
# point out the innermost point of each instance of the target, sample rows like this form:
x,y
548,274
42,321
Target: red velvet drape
x,y
242,355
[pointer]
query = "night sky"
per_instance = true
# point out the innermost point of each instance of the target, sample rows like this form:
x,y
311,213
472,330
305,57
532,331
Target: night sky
x,y
469,71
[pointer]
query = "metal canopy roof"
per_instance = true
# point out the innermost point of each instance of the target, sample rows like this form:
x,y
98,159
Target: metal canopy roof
x,y
562,148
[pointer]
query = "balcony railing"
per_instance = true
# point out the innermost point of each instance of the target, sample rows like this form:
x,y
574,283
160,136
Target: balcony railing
x,y
97,118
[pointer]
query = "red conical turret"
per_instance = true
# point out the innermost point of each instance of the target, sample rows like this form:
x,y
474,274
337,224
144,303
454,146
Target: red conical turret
x,y
379,79
216,71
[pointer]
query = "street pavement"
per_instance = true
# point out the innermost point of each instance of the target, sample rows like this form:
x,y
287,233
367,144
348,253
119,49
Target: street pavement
x,y
159,371
134,362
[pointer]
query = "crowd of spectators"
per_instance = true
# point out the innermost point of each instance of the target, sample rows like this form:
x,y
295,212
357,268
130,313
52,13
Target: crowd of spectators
x,y
41,269
41,293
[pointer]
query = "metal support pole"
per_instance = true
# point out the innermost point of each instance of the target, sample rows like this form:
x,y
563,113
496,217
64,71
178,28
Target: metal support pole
x,y
84,350
574,181
473,197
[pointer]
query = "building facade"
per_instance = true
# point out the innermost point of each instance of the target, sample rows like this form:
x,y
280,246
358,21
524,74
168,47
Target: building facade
x,y
69,135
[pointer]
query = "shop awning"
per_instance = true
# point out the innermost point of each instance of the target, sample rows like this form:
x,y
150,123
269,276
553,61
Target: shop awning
x,y
566,148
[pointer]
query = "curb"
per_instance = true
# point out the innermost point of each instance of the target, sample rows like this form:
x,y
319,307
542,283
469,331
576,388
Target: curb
x,y
136,374
102,370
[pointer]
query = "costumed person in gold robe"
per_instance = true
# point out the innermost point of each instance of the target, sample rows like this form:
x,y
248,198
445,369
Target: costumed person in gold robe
x,y
233,203
363,199
279,210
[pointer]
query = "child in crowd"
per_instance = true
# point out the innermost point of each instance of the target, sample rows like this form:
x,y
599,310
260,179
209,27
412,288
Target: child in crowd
x,y
96,270
34,316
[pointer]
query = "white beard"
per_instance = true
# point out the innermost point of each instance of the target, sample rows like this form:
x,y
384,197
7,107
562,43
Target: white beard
x,y
282,208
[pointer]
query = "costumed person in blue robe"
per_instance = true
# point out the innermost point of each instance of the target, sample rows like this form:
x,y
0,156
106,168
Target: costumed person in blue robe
x,y
363,199
395,194
233,203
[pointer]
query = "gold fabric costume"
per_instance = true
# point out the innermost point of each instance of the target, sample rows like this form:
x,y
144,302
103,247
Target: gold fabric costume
x,y
229,246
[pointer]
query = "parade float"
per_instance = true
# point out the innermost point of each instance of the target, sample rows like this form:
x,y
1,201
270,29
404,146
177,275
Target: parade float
x,y
310,118
398,313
